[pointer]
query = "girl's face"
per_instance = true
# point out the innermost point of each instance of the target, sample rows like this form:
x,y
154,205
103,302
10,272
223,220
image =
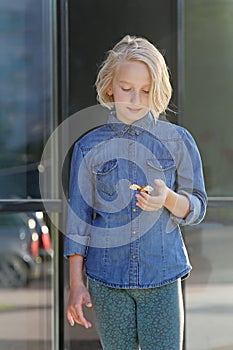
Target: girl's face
x,y
130,89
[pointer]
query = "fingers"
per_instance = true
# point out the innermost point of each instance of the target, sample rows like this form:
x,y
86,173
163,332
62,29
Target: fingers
x,y
80,317
149,203
88,301
75,314
70,317
148,207
159,182
153,201
75,311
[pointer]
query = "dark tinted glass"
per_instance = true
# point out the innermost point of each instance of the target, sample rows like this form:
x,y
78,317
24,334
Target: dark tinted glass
x,y
10,220
208,88
207,106
94,27
25,94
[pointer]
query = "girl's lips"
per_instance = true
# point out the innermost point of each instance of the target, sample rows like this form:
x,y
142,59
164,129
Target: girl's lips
x,y
134,110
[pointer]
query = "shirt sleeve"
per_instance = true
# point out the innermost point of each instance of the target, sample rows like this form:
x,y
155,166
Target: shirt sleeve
x,y
190,180
80,209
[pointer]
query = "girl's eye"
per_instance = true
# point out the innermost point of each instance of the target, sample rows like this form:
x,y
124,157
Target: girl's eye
x,y
146,91
125,89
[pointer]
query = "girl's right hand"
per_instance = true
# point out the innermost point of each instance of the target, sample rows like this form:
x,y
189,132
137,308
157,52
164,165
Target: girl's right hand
x,y
79,295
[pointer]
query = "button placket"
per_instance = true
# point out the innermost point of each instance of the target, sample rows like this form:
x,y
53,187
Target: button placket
x,y
134,248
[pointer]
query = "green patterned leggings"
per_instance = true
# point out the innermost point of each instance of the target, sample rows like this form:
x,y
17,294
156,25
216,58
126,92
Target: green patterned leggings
x,y
132,319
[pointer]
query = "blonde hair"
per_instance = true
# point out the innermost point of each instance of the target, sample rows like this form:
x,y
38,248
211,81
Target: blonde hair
x,y
132,48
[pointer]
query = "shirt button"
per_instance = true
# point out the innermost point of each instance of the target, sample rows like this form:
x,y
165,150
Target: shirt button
x,y
133,232
134,256
134,209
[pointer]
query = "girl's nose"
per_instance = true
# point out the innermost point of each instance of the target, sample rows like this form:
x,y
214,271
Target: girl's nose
x,y
135,98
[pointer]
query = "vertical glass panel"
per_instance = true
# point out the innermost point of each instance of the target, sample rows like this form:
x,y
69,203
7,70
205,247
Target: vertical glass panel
x,y
208,73
87,47
25,94
208,88
209,290
26,252
25,281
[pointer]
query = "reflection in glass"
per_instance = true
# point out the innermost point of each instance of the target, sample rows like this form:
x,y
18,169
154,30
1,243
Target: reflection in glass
x,y
25,247
25,94
26,252
208,69
208,72
209,290
26,255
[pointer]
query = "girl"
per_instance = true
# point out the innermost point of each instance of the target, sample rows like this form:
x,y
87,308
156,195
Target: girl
x,y
125,235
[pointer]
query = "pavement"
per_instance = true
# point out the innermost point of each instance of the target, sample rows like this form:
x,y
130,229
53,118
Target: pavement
x,y
209,317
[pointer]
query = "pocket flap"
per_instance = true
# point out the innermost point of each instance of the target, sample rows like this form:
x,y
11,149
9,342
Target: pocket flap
x,y
105,168
161,164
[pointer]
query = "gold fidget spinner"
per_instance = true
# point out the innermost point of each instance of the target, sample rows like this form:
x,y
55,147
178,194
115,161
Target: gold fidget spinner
x,y
145,188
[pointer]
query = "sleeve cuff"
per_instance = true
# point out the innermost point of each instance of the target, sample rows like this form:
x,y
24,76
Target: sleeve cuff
x,y
193,216
75,244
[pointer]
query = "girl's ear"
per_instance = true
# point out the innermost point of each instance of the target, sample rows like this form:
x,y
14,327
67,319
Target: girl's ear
x,y
109,91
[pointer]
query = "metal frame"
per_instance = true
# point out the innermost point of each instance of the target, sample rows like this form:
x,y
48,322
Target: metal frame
x,y
63,110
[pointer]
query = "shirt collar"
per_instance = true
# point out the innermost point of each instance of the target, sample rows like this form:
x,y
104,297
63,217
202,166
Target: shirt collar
x,y
145,123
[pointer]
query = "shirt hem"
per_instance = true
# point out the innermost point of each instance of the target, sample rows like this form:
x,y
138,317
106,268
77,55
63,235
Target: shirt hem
x,y
144,286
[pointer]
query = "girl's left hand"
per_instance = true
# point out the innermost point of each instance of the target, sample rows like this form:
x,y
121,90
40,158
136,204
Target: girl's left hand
x,y
155,200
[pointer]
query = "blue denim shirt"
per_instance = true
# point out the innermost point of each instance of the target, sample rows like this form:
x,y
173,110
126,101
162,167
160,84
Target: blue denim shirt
x,y
124,246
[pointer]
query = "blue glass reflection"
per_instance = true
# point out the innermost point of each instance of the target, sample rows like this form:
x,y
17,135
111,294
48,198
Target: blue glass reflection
x,y
25,94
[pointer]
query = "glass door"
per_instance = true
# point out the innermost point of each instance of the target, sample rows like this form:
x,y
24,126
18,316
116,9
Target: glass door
x,y
27,118
91,34
207,102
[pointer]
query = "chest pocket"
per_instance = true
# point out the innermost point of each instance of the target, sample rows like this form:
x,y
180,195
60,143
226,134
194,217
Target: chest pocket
x,y
164,169
106,178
